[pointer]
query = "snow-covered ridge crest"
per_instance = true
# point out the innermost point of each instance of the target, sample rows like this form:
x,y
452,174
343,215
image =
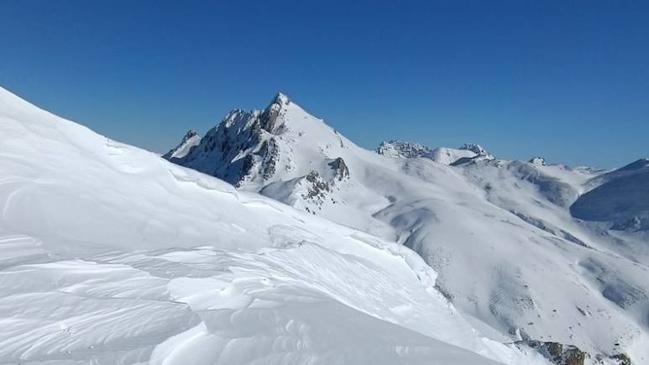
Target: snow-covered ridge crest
x,y
448,156
189,141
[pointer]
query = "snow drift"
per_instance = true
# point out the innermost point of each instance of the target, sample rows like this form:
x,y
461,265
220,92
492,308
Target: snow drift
x,y
112,255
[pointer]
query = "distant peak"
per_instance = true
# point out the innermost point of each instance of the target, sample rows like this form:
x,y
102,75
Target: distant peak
x,y
190,133
396,148
475,148
537,160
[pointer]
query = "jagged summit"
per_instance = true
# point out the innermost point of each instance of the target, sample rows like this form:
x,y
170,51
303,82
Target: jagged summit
x,y
269,117
397,148
475,148
537,160
449,156
250,148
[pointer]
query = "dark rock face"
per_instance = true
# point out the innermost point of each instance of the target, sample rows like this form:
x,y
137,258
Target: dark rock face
x,y
341,171
622,359
558,353
269,153
395,148
241,146
317,186
268,119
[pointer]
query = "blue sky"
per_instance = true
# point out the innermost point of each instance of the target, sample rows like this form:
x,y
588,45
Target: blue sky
x,y
568,80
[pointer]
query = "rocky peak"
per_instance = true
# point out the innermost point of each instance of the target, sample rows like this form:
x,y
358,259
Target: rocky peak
x,y
268,120
537,160
475,148
395,148
558,353
341,171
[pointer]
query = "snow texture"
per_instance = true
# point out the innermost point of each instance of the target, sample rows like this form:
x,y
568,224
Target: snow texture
x,y
512,241
113,255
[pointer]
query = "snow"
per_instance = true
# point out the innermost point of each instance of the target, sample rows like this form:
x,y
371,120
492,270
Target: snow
x,y
500,234
621,196
112,255
189,141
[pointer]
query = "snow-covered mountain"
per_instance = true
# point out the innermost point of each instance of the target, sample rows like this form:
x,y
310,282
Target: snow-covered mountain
x,y
112,255
620,197
512,255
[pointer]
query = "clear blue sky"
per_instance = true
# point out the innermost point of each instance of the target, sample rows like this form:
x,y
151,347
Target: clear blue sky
x,y
568,80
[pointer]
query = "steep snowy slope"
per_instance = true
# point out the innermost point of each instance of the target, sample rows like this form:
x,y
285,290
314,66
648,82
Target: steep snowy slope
x,y
189,141
112,255
620,197
499,233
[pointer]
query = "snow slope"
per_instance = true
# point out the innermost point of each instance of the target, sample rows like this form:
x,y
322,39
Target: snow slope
x,y
500,234
620,196
112,255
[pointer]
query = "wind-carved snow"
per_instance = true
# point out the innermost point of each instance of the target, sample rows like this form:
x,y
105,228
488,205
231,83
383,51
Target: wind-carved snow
x,y
112,255
509,253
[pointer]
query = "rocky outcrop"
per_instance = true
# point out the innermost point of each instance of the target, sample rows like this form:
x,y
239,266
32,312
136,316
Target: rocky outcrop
x,y
341,171
557,353
475,148
395,148
537,160
562,354
241,148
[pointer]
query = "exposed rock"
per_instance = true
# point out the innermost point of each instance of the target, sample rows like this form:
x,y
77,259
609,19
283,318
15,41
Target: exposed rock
x,y
268,119
341,171
622,359
317,188
395,148
557,353
537,160
241,147
475,148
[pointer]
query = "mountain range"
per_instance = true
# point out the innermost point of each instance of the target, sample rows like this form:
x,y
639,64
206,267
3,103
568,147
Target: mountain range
x,y
275,239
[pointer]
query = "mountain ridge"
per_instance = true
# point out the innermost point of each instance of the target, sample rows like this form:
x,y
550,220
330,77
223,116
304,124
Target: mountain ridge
x,y
460,208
